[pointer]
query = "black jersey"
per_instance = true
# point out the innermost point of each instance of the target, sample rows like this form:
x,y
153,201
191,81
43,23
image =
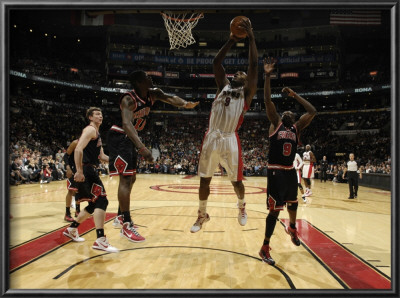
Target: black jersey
x,y
92,151
70,160
141,110
282,147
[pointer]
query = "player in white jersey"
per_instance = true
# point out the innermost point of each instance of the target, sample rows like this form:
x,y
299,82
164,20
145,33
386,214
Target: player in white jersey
x,y
308,169
221,144
298,164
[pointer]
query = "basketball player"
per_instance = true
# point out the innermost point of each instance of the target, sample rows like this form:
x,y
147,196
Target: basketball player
x,y
71,184
298,164
221,144
88,151
124,143
308,169
282,182
352,176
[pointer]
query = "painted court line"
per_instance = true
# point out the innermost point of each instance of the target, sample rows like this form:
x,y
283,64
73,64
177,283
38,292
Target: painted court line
x,y
30,251
351,269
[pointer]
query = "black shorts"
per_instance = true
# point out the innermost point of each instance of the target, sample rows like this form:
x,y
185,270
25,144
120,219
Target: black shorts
x,y
122,153
92,188
282,188
71,184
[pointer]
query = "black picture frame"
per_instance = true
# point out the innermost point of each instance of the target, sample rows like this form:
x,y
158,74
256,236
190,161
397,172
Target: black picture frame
x,y
5,7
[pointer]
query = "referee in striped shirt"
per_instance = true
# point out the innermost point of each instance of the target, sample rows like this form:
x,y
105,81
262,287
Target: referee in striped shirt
x,y
352,176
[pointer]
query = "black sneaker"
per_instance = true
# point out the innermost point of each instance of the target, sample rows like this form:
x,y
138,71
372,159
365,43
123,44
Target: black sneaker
x,y
265,256
350,197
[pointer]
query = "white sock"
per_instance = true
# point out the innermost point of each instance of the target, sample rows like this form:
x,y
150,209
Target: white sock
x,y
241,203
202,207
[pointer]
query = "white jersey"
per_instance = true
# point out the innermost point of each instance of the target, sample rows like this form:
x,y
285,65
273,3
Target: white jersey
x,y
221,144
308,165
227,110
298,162
306,157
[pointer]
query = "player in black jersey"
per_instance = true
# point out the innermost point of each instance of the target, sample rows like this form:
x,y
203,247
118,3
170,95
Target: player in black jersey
x,y
88,151
282,180
123,141
71,184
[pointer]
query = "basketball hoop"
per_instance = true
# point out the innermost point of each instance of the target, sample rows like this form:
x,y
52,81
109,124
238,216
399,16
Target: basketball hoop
x,y
179,28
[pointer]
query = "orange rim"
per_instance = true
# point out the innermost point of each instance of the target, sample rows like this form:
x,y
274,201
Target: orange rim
x,y
183,20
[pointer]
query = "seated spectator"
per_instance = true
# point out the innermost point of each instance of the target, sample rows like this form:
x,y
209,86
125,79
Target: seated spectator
x,y
46,176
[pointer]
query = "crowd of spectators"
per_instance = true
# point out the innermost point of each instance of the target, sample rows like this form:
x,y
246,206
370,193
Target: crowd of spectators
x,y
36,143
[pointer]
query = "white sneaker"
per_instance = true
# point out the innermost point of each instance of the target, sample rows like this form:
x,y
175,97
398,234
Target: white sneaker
x,y
118,222
309,193
73,234
242,216
304,198
102,244
199,222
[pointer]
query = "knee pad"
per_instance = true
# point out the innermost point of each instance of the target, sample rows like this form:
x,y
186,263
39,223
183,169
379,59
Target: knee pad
x,y
101,203
300,186
89,208
292,206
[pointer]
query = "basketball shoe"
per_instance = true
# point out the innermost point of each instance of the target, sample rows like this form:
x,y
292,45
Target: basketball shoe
x,y
199,222
73,234
102,244
242,216
68,218
129,232
119,221
304,198
308,193
293,234
265,256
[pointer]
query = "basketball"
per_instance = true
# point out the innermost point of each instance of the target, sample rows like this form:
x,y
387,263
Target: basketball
x,y
235,29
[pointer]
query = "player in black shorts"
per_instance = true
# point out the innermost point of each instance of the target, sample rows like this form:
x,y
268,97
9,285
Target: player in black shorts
x,y
88,151
282,180
124,144
72,186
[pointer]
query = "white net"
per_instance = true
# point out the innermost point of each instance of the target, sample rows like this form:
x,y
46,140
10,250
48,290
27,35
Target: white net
x,y
179,28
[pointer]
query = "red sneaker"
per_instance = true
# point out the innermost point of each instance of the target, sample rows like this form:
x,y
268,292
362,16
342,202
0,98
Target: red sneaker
x,y
68,218
293,234
119,221
265,256
129,232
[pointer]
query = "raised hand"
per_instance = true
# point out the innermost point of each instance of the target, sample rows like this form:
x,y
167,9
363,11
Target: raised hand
x,y
289,91
269,64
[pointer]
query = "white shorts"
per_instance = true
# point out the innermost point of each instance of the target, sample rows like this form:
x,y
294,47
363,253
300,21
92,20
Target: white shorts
x,y
298,173
308,171
224,149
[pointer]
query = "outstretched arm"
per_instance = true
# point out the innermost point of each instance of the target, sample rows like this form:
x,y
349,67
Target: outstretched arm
x,y
158,94
272,114
252,71
306,118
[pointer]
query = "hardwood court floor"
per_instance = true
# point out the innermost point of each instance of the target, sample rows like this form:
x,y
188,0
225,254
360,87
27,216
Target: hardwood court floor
x,y
346,244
